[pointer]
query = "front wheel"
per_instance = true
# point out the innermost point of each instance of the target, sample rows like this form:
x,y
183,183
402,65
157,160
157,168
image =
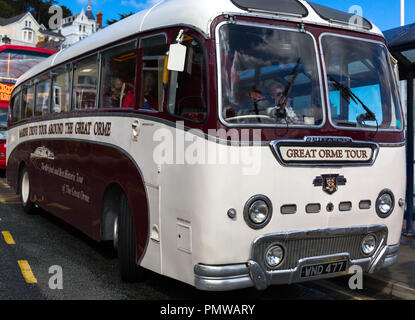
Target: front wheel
x,y
24,188
130,271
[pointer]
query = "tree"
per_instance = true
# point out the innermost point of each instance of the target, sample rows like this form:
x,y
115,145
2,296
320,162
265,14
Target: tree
x,y
122,16
7,10
38,8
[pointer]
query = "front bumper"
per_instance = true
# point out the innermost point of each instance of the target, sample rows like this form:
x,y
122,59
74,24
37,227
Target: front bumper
x,y
255,274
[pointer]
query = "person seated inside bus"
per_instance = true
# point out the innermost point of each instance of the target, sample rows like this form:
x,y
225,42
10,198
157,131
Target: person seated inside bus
x,y
282,108
127,95
150,102
120,94
267,104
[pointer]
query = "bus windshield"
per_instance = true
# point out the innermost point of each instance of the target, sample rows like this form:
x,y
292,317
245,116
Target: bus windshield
x,y
269,77
362,90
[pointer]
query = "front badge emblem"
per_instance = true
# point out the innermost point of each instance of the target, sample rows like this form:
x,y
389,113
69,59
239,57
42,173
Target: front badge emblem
x,y
330,182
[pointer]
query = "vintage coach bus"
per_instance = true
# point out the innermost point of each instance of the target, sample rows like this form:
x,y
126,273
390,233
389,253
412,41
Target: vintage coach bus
x,y
223,143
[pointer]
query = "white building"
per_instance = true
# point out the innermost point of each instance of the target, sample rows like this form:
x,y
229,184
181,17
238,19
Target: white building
x,y
78,27
22,30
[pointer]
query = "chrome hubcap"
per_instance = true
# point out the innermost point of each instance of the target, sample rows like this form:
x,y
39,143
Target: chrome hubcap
x,y
25,187
115,237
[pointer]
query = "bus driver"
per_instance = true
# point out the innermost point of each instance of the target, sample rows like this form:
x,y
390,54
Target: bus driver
x,y
282,107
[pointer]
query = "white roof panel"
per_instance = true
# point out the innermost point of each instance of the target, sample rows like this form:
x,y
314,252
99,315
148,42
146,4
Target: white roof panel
x,y
196,13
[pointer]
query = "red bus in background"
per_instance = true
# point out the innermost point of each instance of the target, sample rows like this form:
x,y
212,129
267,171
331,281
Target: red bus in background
x,y
14,61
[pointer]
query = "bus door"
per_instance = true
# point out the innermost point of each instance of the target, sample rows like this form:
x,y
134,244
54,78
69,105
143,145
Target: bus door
x,y
152,51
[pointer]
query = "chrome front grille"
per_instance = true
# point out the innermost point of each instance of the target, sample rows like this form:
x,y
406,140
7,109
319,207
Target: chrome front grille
x,y
316,243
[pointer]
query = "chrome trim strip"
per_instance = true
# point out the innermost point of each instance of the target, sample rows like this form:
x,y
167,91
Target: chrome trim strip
x,y
222,278
392,145
203,270
219,77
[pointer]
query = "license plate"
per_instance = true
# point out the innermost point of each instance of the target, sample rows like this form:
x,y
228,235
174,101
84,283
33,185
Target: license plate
x,y
323,269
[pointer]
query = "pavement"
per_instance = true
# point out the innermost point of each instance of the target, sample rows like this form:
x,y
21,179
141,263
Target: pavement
x,y
398,280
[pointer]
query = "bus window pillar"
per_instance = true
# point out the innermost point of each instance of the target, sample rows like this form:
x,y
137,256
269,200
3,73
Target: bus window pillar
x,y
410,159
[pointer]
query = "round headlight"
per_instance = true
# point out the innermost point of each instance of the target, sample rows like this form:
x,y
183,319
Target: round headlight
x,y
385,204
258,212
369,244
274,256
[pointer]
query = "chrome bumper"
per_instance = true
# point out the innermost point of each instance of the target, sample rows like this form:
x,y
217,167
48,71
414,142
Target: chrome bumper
x,y
253,273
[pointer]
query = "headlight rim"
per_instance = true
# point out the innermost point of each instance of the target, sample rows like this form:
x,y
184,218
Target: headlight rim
x,y
249,203
376,244
380,213
266,253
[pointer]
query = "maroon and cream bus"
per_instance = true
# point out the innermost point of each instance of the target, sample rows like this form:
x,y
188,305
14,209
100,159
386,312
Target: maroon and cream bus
x,y
223,143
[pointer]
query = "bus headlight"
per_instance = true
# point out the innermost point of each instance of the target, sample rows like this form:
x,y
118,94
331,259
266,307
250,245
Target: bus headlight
x,y
274,256
258,212
369,244
385,204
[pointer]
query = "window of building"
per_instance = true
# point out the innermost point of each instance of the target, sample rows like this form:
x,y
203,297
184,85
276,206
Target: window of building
x,y
28,36
61,82
28,101
118,76
42,96
154,52
85,83
188,89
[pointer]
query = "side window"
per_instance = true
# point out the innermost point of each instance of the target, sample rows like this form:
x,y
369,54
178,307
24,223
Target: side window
x,y
154,52
118,76
15,105
61,89
85,83
28,101
42,96
188,89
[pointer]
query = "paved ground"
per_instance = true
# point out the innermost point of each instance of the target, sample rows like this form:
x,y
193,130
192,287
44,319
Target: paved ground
x,y
90,270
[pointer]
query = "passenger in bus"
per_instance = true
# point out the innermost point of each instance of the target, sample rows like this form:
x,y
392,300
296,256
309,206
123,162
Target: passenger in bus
x,y
282,106
121,94
150,102
127,95
116,92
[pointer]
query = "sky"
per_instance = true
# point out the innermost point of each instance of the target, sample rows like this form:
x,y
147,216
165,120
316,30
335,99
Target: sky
x,y
383,13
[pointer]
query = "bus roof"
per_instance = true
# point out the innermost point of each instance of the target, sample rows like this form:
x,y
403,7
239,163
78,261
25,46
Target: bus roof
x,y
200,15
27,49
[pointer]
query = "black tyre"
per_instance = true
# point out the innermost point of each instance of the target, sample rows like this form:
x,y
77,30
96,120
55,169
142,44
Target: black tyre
x,y
25,193
130,271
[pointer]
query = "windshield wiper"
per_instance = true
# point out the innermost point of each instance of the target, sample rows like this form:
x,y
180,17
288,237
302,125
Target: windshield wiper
x,y
290,86
369,116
